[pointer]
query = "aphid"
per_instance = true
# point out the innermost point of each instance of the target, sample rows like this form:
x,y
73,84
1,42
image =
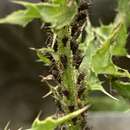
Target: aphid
x,y
55,47
49,56
80,78
82,16
88,128
83,35
81,91
84,6
75,31
77,59
80,20
74,120
74,46
64,61
71,108
64,127
65,40
66,93
49,39
58,104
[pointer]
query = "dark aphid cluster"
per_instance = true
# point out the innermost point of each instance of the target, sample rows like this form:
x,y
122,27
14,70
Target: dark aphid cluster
x,y
80,19
65,40
78,29
74,46
71,108
55,47
66,93
57,69
64,60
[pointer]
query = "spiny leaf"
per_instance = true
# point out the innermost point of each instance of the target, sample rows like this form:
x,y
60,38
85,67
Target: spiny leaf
x,y
102,60
88,48
22,17
59,16
118,33
50,123
93,84
120,40
57,13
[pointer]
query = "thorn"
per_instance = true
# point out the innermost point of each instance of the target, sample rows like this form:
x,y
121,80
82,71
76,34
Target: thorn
x,y
31,48
48,94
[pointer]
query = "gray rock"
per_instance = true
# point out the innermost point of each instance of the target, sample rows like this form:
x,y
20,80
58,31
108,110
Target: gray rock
x,y
109,121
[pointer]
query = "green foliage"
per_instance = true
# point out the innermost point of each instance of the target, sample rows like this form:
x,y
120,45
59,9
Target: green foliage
x,y
108,104
123,88
101,44
58,13
50,123
124,10
78,63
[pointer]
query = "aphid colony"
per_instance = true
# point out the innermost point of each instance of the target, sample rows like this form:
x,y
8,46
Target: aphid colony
x,y
57,68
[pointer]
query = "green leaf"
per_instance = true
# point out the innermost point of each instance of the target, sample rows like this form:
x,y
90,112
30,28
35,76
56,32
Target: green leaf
x,y
101,44
43,58
19,17
22,17
123,88
124,10
50,123
107,104
57,13
93,84
119,45
102,60
58,1
88,48
117,34
41,53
